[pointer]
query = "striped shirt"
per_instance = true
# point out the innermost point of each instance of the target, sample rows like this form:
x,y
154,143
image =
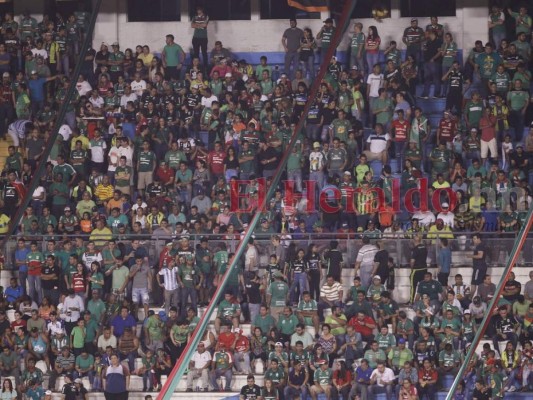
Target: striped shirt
x,y
366,254
331,293
19,127
170,276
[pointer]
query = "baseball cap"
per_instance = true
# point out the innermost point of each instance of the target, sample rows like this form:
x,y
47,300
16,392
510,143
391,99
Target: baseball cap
x,y
237,330
473,130
355,68
347,173
5,75
445,205
228,75
376,277
67,208
401,341
77,380
48,393
163,316
414,20
316,145
33,72
467,312
115,44
279,344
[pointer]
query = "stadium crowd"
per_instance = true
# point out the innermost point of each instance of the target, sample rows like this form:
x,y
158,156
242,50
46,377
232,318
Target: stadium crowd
x,y
134,211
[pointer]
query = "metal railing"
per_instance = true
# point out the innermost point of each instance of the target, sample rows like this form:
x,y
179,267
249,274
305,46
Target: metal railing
x,y
399,246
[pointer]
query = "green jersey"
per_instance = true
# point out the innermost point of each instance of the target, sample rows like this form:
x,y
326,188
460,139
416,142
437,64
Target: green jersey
x,y
146,161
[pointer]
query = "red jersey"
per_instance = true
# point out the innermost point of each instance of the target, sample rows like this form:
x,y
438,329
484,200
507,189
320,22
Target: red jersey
x,y
400,130
447,129
78,283
216,162
228,339
360,326
426,375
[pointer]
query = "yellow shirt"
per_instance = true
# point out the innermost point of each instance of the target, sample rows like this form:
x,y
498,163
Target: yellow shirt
x,y
4,223
101,236
146,58
84,142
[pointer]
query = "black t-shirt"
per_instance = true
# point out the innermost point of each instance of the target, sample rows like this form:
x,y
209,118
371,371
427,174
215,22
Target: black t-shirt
x,y
480,263
251,393
333,258
382,257
69,391
298,266
432,48
479,395
47,270
4,325
512,284
420,255
252,292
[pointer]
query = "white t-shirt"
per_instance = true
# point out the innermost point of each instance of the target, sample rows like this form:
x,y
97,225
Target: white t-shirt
x,y
124,99
208,101
138,87
113,158
425,218
128,153
66,132
378,143
83,88
38,192
375,82
447,217
201,360
382,378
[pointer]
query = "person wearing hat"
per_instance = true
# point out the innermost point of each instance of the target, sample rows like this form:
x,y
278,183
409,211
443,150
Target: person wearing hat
x,y
199,368
399,355
323,380
325,35
221,365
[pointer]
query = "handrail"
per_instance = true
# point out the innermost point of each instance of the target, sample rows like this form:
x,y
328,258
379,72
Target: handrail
x,y
182,364
511,261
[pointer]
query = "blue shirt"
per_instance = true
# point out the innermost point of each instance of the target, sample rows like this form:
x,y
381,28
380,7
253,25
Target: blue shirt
x,y
363,374
20,255
13,293
36,87
119,324
491,220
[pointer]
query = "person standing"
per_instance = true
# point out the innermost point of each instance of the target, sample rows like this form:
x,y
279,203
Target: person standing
x,y
172,57
199,38
479,264
497,25
413,37
291,43
357,47
419,265
116,379
326,36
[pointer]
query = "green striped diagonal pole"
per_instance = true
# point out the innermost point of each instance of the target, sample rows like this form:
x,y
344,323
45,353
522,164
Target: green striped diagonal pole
x,y
511,261
182,364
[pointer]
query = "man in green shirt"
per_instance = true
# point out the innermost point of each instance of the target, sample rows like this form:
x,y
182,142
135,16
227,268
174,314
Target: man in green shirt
x,y
60,194
399,355
522,19
323,381
154,330
277,295
85,364
276,374
115,62
340,127
307,311
221,365
190,279
264,320
228,312
173,57
287,324
326,36
145,166
518,101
